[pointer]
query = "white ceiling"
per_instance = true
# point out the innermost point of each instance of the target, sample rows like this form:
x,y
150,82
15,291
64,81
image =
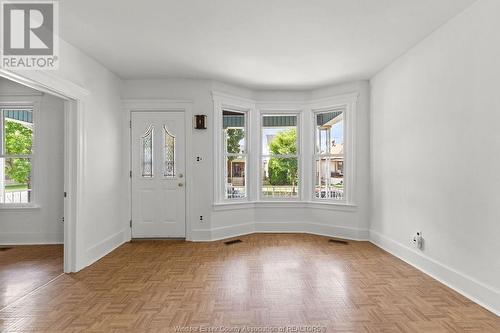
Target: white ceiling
x,y
279,44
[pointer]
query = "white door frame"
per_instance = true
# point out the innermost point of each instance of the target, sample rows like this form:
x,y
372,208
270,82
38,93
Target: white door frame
x,y
74,98
161,105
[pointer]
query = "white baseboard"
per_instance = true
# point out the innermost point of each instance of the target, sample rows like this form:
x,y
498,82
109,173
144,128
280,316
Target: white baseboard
x,y
214,234
233,231
279,227
338,231
480,293
201,235
31,238
106,246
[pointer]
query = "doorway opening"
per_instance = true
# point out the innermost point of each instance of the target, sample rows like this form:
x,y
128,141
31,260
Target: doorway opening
x,y
32,169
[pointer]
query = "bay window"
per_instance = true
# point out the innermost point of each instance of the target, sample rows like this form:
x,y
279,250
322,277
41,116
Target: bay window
x,y
271,152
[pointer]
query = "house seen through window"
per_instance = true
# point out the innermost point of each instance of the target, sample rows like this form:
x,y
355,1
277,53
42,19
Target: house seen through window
x,y
235,154
329,155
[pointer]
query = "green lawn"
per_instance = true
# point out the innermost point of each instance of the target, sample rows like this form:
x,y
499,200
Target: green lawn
x,y
17,187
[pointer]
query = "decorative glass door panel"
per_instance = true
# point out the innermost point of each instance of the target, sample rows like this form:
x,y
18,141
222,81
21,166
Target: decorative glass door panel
x,y
168,153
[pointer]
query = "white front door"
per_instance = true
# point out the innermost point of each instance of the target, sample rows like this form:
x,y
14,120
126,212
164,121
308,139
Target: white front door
x,y
158,175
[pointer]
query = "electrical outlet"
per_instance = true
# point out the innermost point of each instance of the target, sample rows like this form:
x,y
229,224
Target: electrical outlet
x,y
417,240
199,159
201,217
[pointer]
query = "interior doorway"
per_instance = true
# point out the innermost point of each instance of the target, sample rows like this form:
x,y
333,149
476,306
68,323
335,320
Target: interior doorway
x,y
32,182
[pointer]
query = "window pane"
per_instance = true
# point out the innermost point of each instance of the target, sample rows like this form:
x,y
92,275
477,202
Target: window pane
x,y
233,124
147,153
15,180
169,153
235,176
329,132
280,177
18,131
329,178
329,164
279,135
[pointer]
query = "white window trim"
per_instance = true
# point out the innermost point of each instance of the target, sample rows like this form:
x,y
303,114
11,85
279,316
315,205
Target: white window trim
x,y
318,156
28,102
347,103
306,122
229,103
226,154
276,110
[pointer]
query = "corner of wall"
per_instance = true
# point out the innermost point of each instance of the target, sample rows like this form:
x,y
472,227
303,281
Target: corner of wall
x,y
103,248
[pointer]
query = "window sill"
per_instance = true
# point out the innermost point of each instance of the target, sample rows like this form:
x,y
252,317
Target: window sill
x,y
15,208
335,206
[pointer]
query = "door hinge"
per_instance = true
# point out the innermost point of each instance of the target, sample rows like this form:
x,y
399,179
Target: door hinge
x,y
130,224
130,173
130,123
65,194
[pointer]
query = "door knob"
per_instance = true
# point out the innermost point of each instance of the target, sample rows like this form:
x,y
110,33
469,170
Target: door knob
x,y
180,184
181,175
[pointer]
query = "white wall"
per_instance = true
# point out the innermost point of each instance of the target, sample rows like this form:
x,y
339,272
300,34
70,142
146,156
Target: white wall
x,y
41,225
102,225
435,140
199,92
221,223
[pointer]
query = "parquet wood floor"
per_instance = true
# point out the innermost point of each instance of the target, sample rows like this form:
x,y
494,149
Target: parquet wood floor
x,y
265,282
25,268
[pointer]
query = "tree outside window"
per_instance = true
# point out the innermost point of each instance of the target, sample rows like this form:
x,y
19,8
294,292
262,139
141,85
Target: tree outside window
x,y
284,171
279,160
16,131
18,141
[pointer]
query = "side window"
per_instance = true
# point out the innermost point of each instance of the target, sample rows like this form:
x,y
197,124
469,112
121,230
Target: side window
x,y
329,155
235,155
16,155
